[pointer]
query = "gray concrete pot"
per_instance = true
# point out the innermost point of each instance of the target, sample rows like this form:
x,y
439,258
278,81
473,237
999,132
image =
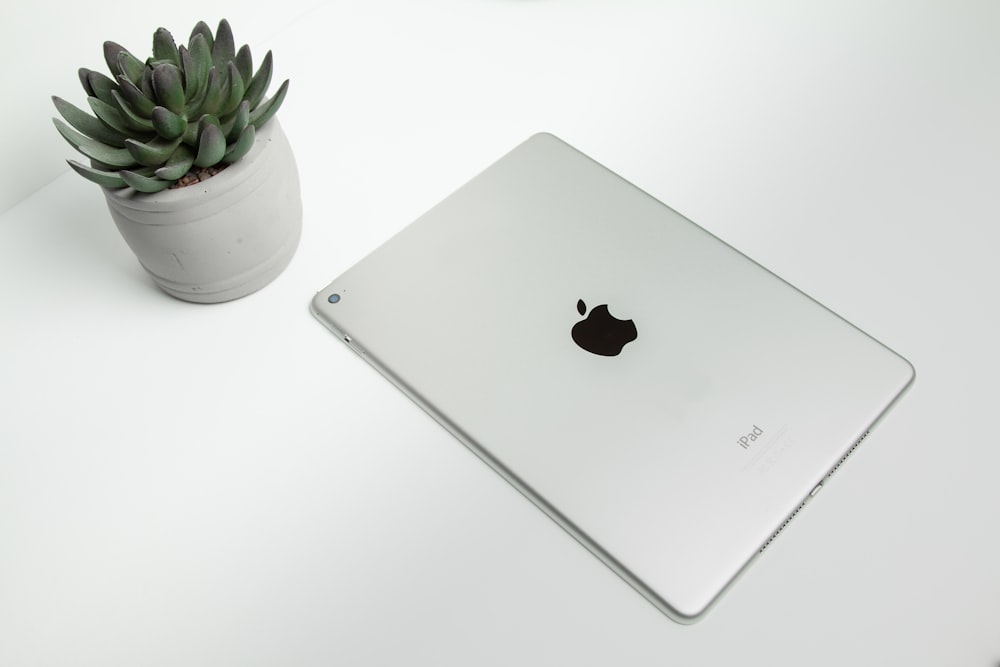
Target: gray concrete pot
x,y
222,238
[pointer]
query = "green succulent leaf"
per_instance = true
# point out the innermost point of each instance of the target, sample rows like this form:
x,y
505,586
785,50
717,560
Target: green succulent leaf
x,y
208,119
84,75
191,82
177,165
201,62
130,66
261,80
194,105
237,122
132,119
114,157
105,179
165,48
144,183
234,90
146,85
242,145
88,125
193,133
153,153
169,87
168,124
265,111
224,49
213,93
101,85
186,106
211,146
97,164
111,51
201,28
244,63
121,61
137,102
111,116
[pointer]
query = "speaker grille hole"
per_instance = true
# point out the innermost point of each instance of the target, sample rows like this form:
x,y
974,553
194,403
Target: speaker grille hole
x,y
782,526
803,503
849,452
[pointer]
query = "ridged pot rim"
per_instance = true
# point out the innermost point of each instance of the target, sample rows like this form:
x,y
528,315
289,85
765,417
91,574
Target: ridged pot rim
x,y
214,189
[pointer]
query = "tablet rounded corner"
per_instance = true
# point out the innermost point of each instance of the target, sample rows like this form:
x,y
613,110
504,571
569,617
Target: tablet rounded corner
x,y
316,303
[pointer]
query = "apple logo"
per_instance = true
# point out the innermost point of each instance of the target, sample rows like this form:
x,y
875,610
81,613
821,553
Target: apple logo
x,y
601,332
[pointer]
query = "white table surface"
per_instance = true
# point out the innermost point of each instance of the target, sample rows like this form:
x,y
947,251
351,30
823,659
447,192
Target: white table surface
x,y
229,485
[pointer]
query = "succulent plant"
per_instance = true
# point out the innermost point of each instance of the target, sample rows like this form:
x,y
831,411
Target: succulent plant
x,y
186,107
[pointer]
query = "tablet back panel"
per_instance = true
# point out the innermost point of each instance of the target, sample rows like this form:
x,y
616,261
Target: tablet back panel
x,y
675,460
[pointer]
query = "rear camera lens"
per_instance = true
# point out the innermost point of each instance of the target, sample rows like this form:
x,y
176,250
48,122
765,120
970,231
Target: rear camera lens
x,y
334,298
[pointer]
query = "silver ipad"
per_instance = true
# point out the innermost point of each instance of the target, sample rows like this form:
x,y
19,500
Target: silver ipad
x,y
662,397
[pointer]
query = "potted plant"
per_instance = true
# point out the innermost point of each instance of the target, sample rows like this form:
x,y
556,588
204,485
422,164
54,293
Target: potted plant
x,y
197,173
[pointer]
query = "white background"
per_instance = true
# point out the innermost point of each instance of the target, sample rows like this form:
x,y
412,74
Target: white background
x,y
228,485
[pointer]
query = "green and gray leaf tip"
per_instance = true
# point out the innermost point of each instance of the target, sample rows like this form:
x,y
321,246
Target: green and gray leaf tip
x,y
186,107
